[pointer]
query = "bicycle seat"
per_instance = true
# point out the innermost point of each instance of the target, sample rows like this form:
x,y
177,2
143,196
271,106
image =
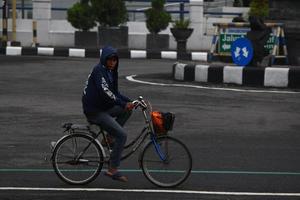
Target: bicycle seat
x,y
80,127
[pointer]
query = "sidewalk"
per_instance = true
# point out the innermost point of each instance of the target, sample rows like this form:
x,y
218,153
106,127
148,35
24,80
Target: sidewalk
x,y
95,53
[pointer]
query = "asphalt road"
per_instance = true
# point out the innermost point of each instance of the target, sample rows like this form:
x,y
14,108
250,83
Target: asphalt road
x,y
245,145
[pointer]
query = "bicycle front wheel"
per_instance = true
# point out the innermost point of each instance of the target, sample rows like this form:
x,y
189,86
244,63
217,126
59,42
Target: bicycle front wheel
x,y
77,159
166,162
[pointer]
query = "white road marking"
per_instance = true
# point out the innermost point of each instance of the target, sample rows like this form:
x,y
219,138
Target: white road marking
x,y
149,191
132,79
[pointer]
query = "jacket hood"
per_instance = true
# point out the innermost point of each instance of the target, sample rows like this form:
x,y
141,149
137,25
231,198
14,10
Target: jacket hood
x,y
107,52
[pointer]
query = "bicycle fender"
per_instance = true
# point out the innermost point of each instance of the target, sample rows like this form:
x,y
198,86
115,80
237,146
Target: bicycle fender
x,y
101,147
63,137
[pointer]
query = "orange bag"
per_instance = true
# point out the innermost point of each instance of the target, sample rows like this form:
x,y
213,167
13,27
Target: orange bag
x,y
162,122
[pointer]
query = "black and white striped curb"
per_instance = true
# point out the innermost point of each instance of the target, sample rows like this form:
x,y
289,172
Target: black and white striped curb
x,y
95,53
249,76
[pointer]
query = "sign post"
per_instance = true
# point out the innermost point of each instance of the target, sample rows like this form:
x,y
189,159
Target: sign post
x,y
242,51
226,39
227,33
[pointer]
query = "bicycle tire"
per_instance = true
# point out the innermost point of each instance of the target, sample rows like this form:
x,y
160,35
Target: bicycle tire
x,y
69,167
172,171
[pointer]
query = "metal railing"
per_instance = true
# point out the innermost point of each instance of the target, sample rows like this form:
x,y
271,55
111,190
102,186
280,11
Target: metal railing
x,y
177,8
60,13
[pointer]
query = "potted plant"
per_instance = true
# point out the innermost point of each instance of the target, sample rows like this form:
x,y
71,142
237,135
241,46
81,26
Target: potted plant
x,y
111,14
181,33
157,19
80,17
259,8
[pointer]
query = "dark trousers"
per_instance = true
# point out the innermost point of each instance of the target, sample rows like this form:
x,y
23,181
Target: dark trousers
x,y
112,121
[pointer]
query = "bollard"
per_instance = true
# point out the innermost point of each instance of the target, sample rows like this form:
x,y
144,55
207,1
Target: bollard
x,y
4,24
4,30
34,34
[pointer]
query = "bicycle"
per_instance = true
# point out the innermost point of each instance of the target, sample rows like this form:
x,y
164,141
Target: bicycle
x,y
78,157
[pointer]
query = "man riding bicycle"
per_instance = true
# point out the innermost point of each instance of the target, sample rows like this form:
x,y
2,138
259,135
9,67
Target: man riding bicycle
x,y
105,106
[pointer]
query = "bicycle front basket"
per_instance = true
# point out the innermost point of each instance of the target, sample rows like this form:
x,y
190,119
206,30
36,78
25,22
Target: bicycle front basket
x,y
162,122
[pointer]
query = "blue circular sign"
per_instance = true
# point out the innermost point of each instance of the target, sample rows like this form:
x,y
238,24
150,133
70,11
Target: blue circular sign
x,y
242,51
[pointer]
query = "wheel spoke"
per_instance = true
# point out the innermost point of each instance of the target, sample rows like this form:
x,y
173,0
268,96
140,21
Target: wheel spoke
x,y
77,159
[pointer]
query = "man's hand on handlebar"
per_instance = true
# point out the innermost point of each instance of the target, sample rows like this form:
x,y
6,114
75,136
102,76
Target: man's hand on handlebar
x,y
129,106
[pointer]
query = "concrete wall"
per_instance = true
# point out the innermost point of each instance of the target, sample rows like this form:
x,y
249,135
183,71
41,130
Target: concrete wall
x,y
60,32
244,10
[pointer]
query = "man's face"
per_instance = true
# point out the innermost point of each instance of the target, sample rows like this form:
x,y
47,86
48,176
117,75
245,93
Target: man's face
x,y
111,63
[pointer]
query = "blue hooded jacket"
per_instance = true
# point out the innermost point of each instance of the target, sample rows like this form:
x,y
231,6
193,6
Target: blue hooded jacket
x,y
101,92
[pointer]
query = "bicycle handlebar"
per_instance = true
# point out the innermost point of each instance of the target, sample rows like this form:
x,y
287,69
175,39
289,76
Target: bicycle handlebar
x,y
140,103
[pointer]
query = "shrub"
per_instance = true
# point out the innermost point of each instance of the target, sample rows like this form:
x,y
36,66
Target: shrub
x,y
237,3
259,8
110,12
183,24
157,19
80,16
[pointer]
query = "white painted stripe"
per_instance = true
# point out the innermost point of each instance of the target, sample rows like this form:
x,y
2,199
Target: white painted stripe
x,y
45,51
201,73
77,53
169,54
13,51
233,74
276,77
138,54
179,71
131,78
199,56
149,191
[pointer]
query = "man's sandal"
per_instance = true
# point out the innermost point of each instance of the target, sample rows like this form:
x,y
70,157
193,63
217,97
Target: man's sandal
x,y
118,176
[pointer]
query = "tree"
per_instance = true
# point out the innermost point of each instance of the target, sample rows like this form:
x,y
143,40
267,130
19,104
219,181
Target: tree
x,y
259,8
80,15
157,19
110,12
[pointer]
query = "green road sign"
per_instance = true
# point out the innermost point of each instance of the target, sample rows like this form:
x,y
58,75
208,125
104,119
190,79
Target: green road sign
x,y
226,39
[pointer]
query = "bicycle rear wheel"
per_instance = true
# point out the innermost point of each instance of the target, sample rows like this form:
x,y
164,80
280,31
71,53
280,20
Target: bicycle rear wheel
x,y
167,163
77,159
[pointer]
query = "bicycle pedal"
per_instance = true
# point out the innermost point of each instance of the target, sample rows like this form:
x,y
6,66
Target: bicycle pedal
x,y
47,158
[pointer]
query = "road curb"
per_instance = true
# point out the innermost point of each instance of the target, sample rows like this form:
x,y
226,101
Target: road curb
x,y
248,76
95,53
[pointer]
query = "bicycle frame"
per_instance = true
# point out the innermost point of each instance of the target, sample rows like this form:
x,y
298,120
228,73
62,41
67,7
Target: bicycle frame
x,y
79,151
150,131
139,140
